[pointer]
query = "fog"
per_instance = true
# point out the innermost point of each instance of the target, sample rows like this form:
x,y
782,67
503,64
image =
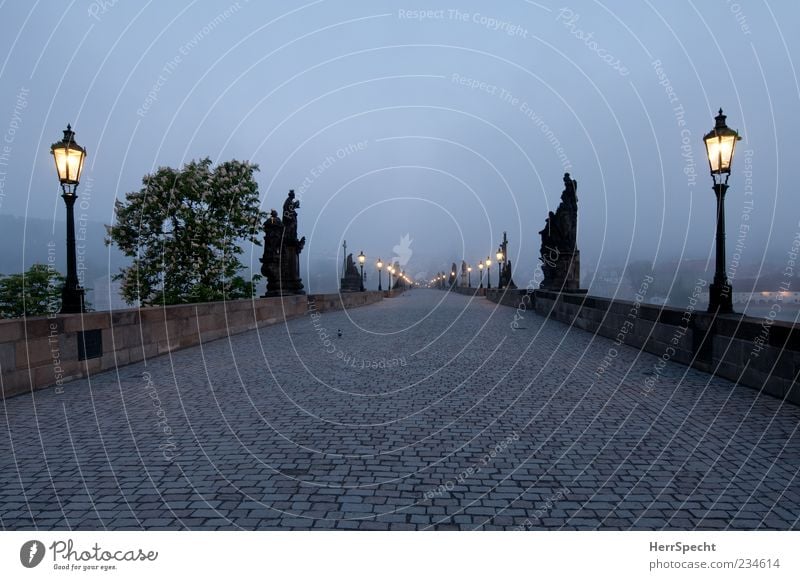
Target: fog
x,y
444,124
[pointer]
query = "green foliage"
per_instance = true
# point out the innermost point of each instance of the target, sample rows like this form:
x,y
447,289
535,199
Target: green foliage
x,y
35,292
183,232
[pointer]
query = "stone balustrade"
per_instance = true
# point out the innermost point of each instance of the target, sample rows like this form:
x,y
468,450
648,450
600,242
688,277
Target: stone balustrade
x,y
753,352
38,352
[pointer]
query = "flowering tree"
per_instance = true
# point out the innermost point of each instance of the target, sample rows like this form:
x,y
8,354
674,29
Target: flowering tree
x,y
183,231
35,293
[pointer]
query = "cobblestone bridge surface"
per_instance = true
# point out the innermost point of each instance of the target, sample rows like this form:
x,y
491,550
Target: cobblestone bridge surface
x,y
429,412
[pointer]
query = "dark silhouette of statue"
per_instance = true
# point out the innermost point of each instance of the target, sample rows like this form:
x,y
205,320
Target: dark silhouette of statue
x,y
559,251
352,277
506,281
290,214
505,266
280,263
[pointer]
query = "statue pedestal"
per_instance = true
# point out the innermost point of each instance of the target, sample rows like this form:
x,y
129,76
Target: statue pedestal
x,y
566,274
350,284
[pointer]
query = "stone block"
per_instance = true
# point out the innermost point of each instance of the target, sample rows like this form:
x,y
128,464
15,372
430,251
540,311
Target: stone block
x,y
46,375
207,322
68,346
15,383
7,357
11,330
86,321
124,317
134,354
152,349
151,333
33,352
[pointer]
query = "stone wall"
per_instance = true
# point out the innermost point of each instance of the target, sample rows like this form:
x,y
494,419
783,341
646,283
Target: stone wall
x,y
757,353
45,351
469,291
513,297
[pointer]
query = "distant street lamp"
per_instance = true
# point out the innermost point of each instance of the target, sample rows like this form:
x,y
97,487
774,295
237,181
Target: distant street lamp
x,y
361,259
480,270
720,144
499,257
391,271
69,158
488,273
379,265
469,276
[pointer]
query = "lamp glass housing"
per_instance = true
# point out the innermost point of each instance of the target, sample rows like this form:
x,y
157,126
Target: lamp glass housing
x,y
720,145
69,158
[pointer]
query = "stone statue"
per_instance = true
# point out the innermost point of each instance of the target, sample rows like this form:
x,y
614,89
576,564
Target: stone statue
x,y
505,266
505,276
280,263
352,277
559,252
273,236
290,214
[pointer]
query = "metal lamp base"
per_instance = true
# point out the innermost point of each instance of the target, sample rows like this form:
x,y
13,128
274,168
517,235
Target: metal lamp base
x,y
720,298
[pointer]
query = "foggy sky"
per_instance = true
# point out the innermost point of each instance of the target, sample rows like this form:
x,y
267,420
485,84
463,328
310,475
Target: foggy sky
x,y
449,129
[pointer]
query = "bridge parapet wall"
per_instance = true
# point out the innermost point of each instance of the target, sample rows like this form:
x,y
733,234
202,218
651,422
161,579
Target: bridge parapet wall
x,y
44,351
758,353
469,291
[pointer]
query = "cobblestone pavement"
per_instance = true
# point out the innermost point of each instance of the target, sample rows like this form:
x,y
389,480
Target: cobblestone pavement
x,y
429,412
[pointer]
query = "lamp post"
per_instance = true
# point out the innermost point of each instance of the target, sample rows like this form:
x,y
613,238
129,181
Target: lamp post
x,y
361,259
499,257
480,271
69,158
488,273
469,276
379,265
720,143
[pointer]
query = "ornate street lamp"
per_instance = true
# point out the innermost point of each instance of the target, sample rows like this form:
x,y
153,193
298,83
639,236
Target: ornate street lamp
x,y
488,273
499,257
69,158
480,270
469,276
720,144
361,259
379,265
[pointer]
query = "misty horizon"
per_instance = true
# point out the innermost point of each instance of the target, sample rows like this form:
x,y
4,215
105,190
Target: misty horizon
x,y
449,126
